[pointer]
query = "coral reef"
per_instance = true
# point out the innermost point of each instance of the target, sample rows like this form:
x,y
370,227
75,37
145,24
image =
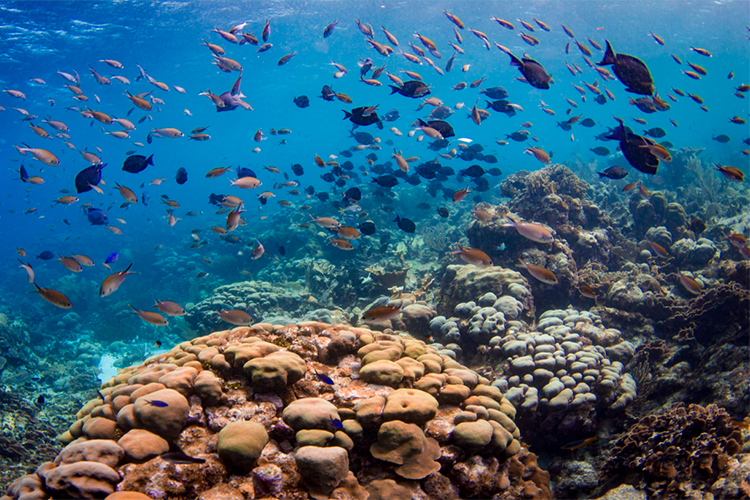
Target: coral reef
x,y
336,412
681,453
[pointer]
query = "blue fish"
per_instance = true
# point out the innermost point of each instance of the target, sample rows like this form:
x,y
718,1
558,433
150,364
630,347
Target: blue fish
x,y
97,217
336,423
46,255
324,378
111,258
144,199
157,403
22,172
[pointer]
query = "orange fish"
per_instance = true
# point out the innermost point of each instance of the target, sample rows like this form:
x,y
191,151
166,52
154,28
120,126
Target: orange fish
x,y
531,231
539,154
127,193
658,249
382,313
235,317
473,256
461,194
53,297
341,243
170,308
150,317
690,284
731,173
113,281
70,264
541,273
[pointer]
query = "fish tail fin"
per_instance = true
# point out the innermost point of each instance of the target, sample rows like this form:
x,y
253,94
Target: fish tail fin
x,y
514,61
601,175
134,309
394,89
346,114
150,160
514,221
127,269
609,56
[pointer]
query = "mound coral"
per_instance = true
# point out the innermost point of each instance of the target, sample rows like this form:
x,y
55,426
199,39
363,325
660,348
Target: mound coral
x,y
320,426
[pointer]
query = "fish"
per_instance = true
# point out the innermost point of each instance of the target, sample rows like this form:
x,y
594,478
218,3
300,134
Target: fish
x,y
540,273
153,319
412,88
301,101
641,159
731,173
29,271
53,297
382,313
285,59
42,155
181,177
574,445
328,31
89,177
137,163
97,216
532,71
690,284
70,264
405,225
615,172
601,151
631,71
235,316
170,308
658,249
531,231
179,458
323,378
539,154
358,117
473,256
112,282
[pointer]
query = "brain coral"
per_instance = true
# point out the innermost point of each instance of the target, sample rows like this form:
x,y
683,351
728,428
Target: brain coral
x,y
317,428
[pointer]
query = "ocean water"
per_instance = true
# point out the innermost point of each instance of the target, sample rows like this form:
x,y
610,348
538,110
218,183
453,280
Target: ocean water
x,y
40,39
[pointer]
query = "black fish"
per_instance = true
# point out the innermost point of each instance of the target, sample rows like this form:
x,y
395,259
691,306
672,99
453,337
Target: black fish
x,y
490,159
245,172
723,138
656,132
387,181
347,165
340,182
616,172
367,228
97,217
645,104
631,71
518,136
282,250
353,194
231,98
444,128
481,184
405,225
600,99
302,101
346,153
495,92
358,117
40,401
495,171
89,176
426,171
215,199
438,144
23,174
600,150
502,106
137,163
46,255
181,176
443,212
323,197
144,198
297,169
362,137
328,177
532,70
414,180
566,125
327,93
180,458
310,190
413,88
474,171
588,122
640,158
391,116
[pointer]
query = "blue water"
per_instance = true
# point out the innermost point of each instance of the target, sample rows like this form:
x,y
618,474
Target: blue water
x,y
39,38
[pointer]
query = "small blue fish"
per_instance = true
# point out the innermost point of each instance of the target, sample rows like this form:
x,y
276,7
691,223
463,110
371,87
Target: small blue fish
x,y
157,403
501,247
100,394
324,378
337,423
112,257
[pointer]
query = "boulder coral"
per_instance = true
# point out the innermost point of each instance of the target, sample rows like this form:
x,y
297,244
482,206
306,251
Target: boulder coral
x,y
286,412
